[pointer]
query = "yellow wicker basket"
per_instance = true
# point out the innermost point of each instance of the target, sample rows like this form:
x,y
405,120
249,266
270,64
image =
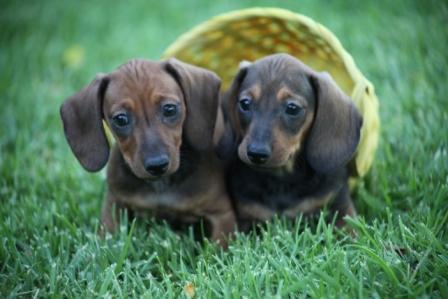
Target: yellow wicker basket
x,y
220,43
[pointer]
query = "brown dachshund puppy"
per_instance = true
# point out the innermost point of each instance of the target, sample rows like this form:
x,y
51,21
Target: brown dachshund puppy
x,y
162,115
294,132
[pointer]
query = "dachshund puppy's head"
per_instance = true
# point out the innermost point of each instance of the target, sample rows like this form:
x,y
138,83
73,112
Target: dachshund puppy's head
x,y
151,108
278,107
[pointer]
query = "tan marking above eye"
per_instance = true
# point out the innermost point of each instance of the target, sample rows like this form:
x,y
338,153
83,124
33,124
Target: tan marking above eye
x,y
126,104
254,92
285,93
161,97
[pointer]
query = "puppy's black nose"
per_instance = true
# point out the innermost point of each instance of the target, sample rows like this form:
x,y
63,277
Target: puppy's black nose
x,y
157,165
258,154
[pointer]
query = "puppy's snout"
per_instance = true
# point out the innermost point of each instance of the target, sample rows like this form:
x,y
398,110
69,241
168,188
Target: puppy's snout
x,y
157,166
258,153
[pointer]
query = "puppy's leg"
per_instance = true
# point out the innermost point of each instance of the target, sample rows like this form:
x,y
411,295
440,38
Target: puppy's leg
x,y
343,205
223,223
110,214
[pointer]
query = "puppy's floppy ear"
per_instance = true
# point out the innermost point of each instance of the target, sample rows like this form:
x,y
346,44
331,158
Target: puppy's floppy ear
x,y
226,134
201,92
82,120
336,129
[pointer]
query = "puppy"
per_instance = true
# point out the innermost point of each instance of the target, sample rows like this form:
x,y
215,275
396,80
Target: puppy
x,y
162,115
293,132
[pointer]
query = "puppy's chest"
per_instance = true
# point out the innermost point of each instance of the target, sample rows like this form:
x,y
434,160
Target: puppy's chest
x,y
279,191
185,194
169,193
161,187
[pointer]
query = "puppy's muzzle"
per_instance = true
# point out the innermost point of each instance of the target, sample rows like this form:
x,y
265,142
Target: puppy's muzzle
x,y
258,153
156,166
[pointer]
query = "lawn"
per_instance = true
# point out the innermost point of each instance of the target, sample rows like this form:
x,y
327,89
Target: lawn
x,y
50,206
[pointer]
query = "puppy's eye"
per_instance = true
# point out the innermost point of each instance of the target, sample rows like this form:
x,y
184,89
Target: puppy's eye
x,y
245,104
121,120
292,109
169,110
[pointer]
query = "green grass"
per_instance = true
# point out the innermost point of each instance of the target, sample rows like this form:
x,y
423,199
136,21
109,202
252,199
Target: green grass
x,y
50,206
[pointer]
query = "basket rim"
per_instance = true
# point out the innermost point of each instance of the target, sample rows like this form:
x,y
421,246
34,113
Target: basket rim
x,y
272,12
